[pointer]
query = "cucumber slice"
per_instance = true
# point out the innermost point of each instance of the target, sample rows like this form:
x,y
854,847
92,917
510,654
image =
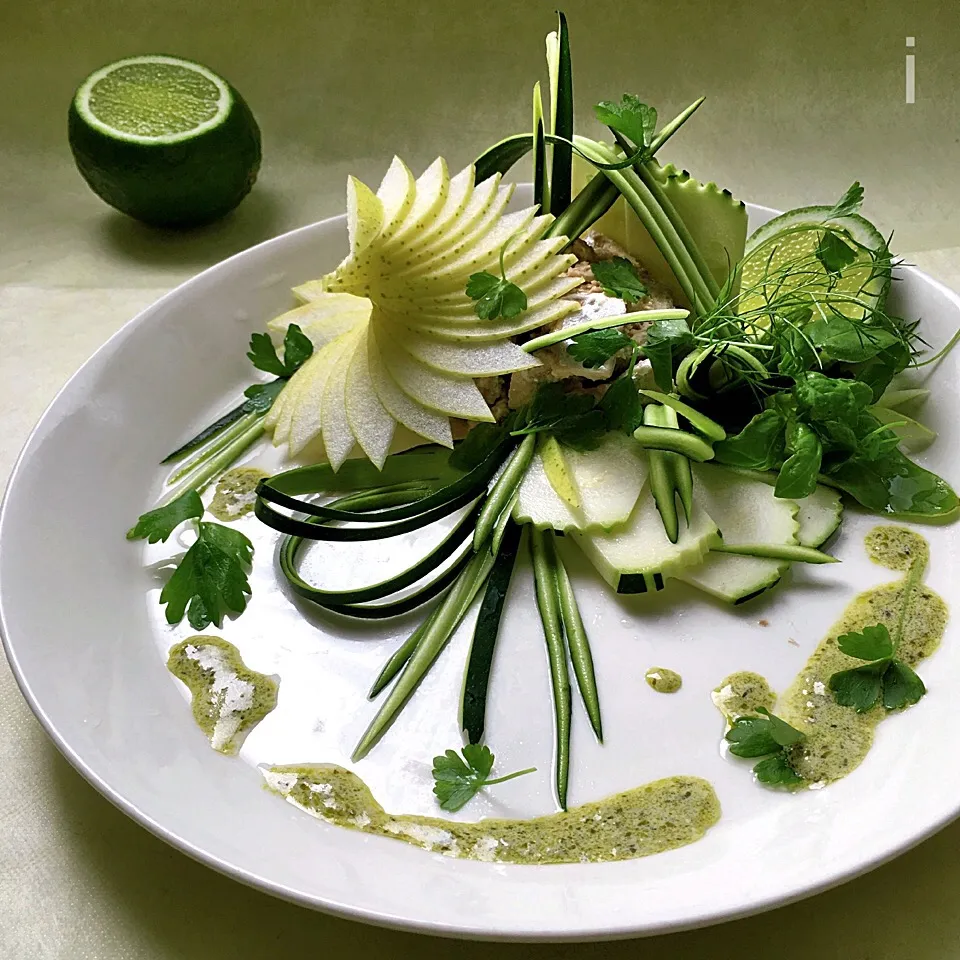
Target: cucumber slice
x,y
608,479
639,558
819,516
747,512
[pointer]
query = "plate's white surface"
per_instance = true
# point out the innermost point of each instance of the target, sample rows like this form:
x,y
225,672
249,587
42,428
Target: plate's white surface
x,y
87,650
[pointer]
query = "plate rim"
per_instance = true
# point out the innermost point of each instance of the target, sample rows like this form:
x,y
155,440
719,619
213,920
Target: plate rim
x,y
609,932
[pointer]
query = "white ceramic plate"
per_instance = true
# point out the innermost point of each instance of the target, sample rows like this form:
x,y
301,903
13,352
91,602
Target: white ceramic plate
x,y
86,640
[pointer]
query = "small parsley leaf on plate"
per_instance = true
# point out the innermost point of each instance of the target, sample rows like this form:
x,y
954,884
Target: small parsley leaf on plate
x,y
619,278
901,686
769,737
872,643
595,348
495,297
211,579
457,779
156,525
776,771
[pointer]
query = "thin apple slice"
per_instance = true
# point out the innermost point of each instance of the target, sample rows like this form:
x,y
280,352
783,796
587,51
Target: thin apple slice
x,y
305,292
492,330
397,191
431,189
324,318
459,195
454,396
415,262
550,293
467,360
338,438
484,196
419,420
301,420
364,215
371,423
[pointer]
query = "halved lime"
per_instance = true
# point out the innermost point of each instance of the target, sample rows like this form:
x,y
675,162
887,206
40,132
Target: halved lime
x,y
780,257
164,140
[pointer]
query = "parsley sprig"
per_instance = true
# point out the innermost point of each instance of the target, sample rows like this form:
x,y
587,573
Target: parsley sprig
x,y
458,779
619,278
496,296
211,579
771,738
883,678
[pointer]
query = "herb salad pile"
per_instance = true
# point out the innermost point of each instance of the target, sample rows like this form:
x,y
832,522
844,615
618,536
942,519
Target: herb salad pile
x,y
726,393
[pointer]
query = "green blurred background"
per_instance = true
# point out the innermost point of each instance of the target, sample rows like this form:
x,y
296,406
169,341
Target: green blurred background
x,y
803,98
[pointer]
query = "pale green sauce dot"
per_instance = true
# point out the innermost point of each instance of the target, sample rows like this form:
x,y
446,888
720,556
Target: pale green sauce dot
x,y
663,680
235,495
228,698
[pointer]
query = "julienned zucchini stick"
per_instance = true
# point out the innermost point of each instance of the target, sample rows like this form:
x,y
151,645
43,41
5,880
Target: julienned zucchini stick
x,y
476,678
661,476
579,645
503,490
447,618
678,465
545,580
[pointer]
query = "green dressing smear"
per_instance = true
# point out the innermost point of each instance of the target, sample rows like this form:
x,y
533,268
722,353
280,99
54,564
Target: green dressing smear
x,y
837,737
663,680
650,819
228,698
236,493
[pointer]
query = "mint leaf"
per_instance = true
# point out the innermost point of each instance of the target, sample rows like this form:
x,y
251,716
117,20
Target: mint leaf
x,y
297,348
833,253
156,525
860,687
630,117
666,342
871,643
211,579
263,355
456,780
495,296
798,475
619,278
776,771
849,203
595,348
901,686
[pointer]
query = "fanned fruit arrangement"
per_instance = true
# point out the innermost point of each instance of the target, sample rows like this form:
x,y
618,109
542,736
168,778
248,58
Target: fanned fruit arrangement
x,y
616,363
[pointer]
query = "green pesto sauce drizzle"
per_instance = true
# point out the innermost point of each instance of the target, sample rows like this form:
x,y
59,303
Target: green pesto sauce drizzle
x,y
663,680
837,737
236,493
650,819
228,698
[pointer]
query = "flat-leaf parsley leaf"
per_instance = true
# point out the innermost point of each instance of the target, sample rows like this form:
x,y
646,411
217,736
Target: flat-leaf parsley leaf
x,y
156,525
619,278
458,779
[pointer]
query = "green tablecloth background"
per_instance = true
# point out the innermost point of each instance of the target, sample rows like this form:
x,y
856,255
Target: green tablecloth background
x,y
803,98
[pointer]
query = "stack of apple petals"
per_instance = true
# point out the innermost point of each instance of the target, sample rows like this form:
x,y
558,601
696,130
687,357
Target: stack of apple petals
x,y
396,338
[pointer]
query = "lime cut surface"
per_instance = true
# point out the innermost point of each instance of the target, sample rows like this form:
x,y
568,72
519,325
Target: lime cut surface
x,y
165,140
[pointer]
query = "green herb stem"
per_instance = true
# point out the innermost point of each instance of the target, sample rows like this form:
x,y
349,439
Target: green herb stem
x,y
447,618
398,659
504,489
200,478
604,323
510,776
236,429
545,582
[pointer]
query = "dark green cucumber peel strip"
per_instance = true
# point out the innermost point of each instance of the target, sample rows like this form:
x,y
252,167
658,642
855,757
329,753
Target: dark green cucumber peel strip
x,y
476,681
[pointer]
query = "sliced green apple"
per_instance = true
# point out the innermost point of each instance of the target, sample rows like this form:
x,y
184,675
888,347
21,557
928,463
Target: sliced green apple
x,y
338,438
474,360
370,422
396,192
